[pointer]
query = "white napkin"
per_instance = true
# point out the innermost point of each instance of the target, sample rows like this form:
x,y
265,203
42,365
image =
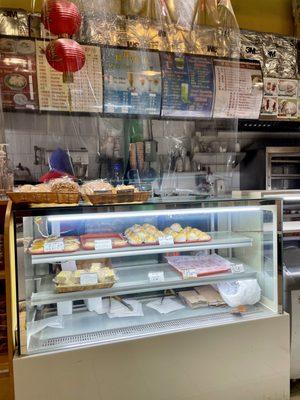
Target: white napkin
x,y
165,307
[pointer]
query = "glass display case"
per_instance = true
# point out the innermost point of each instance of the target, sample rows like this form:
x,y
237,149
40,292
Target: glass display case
x,y
90,275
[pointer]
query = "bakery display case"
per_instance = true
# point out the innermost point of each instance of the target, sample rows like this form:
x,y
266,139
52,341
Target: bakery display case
x,y
93,275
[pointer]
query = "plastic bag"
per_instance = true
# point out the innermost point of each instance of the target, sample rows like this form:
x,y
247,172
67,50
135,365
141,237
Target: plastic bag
x,y
240,293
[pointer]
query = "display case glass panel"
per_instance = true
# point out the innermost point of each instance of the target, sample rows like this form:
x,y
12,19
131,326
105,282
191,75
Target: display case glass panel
x,y
94,275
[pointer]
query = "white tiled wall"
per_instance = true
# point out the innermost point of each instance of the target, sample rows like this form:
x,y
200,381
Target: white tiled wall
x,y
24,131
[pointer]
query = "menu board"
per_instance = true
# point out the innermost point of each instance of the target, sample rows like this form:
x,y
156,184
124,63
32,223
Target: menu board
x,y
280,99
84,95
188,85
132,82
238,89
18,79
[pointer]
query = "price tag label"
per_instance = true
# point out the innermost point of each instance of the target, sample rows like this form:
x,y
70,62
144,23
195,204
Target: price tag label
x,y
53,246
166,241
68,266
156,276
103,244
88,279
237,268
190,274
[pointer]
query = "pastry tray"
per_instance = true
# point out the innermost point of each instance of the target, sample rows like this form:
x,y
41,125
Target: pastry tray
x,y
53,252
102,236
193,241
203,266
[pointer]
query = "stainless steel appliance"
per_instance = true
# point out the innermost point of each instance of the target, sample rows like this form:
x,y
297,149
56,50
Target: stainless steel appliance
x,y
271,168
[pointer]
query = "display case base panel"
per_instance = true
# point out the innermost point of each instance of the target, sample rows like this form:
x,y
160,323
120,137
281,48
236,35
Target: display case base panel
x,y
85,328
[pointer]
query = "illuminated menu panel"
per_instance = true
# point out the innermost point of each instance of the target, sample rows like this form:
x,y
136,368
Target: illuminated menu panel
x,y
84,95
18,80
238,89
132,82
188,85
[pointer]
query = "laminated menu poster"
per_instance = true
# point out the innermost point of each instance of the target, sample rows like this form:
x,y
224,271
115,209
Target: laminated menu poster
x,y
18,80
280,99
132,82
238,89
84,95
188,85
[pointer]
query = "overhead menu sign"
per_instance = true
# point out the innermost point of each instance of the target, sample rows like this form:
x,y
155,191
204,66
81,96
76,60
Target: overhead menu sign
x,y
132,82
84,95
188,85
280,99
238,89
18,81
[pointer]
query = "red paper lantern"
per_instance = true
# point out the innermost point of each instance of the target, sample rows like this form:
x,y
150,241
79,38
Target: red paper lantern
x,y
61,17
65,55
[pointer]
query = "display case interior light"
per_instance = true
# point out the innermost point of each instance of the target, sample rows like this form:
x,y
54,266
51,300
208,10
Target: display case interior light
x,y
157,213
283,197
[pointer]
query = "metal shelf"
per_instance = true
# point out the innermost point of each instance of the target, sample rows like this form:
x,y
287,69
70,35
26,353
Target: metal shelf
x,y
134,280
287,176
220,240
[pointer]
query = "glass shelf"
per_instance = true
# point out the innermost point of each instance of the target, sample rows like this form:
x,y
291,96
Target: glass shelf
x,y
133,280
220,240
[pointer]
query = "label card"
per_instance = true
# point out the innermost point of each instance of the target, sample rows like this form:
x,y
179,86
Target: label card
x,y
68,266
103,244
53,246
156,276
166,241
190,274
237,268
88,279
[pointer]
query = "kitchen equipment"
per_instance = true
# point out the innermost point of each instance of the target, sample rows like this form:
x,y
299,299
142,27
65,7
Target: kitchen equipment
x,y
22,175
271,168
219,187
79,159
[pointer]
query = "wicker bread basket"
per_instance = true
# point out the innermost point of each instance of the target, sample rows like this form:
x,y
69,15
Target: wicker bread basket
x,y
44,197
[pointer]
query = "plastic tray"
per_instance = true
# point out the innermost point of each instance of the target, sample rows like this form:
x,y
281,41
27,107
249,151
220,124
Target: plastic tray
x,y
102,236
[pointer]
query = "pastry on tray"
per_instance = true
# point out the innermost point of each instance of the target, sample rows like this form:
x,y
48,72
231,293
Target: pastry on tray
x,y
64,185
89,241
64,278
149,234
105,276
99,185
176,228
41,188
125,188
143,234
70,244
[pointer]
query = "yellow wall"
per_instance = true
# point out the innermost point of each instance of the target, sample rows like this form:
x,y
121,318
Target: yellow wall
x,y
265,15
259,15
